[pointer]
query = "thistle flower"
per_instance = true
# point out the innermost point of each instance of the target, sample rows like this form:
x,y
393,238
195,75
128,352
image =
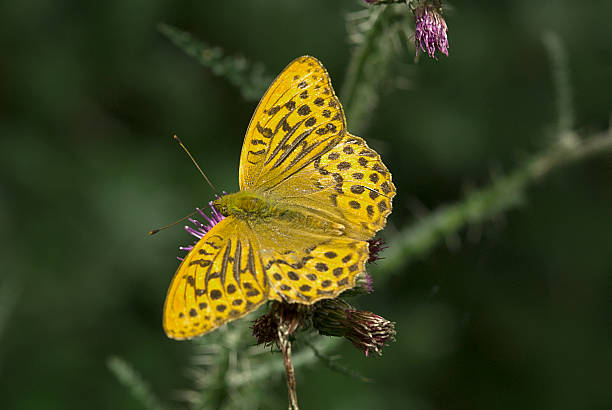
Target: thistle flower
x,y
430,30
365,330
201,229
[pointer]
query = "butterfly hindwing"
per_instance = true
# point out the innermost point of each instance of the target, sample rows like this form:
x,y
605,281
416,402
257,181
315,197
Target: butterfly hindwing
x,y
297,120
220,279
349,185
303,266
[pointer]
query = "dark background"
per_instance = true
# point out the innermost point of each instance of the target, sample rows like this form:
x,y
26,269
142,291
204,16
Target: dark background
x,y
90,95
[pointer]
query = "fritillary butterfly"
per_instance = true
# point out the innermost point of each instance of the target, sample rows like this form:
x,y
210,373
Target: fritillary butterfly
x,y
311,195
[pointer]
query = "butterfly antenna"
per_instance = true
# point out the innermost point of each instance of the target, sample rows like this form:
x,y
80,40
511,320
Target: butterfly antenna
x,y
177,139
154,231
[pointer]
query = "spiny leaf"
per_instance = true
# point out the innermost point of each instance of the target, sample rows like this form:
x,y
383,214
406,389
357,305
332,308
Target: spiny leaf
x,y
378,36
333,364
501,195
563,90
131,379
249,77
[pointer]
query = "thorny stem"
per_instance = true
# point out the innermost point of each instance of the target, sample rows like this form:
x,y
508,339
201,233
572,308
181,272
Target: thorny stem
x,y
273,367
249,77
219,395
285,345
130,378
503,194
355,70
559,66
333,365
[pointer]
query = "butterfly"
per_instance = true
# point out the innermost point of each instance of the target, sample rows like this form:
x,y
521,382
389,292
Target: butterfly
x,y
311,196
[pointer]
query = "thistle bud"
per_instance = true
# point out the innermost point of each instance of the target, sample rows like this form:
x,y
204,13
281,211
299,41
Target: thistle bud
x,y
367,331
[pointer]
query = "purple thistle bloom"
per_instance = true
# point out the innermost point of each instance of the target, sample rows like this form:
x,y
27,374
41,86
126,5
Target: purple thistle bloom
x,y
430,31
365,330
202,229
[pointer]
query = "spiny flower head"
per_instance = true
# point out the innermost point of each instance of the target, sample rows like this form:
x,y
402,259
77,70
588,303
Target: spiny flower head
x,y
375,247
365,330
430,31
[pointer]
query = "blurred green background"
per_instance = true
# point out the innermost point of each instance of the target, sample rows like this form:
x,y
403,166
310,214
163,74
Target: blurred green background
x,y
90,95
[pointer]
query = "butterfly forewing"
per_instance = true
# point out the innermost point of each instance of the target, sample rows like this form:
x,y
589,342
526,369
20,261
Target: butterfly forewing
x,y
298,119
221,279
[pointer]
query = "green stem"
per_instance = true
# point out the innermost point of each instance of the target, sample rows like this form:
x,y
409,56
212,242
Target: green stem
x,y
333,365
560,71
356,66
503,194
272,367
357,74
134,382
218,397
249,77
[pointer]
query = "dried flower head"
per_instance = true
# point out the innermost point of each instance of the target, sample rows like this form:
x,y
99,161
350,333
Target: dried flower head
x,y
375,246
365,330
294,315
265,329
430,31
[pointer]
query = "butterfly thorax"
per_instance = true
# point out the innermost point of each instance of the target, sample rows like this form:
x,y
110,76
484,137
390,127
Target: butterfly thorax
x,y
246,205
255,207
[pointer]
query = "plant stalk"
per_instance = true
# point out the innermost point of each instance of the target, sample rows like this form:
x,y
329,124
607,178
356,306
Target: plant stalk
x,y
285,345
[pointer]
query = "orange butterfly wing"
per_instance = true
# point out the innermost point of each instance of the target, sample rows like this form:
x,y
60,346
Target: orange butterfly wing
x,y
220,279
298,119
